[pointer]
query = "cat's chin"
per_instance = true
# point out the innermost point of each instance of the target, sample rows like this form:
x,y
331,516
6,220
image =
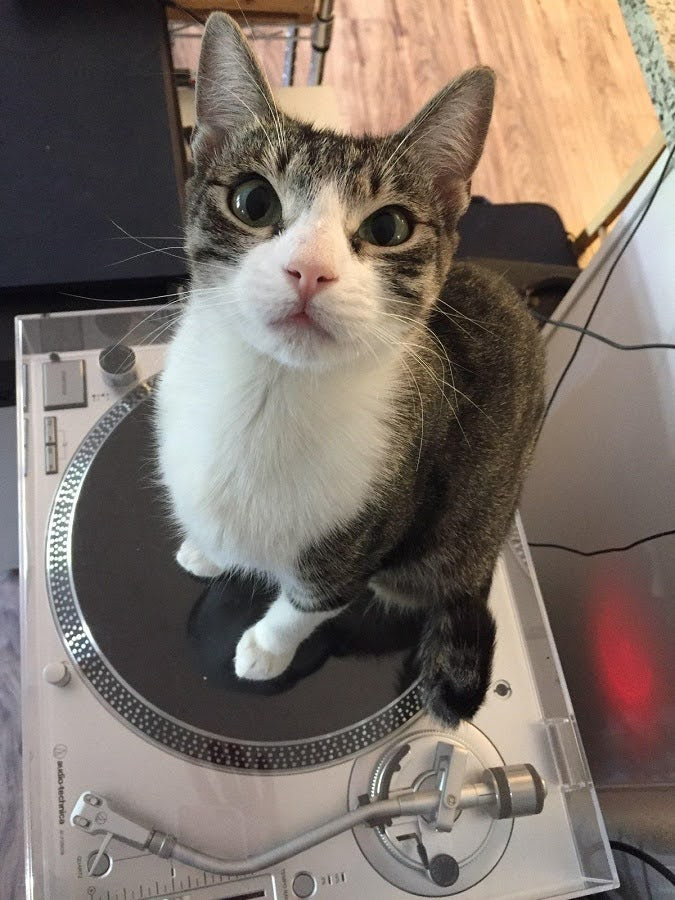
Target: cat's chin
x,y
312,357
302,345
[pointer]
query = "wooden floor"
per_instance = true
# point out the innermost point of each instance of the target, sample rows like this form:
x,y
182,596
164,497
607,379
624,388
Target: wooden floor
x,y
572,111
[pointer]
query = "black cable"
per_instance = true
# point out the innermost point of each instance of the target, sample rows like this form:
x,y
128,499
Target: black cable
x,y
600,337
178,6
651,537
604,285
645,858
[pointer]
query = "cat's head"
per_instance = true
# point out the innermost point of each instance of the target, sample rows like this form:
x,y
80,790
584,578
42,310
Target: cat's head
x,y
320,248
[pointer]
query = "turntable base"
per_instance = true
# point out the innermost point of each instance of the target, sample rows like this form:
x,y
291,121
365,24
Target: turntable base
x,y
129,697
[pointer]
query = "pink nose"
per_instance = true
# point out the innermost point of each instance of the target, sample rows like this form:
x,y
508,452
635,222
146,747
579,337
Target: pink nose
x,y
310,277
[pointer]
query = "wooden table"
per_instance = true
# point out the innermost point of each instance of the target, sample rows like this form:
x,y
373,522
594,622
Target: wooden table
x,y
652,32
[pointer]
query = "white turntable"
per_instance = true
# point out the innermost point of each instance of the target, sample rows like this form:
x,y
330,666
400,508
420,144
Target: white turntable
x,y
152,772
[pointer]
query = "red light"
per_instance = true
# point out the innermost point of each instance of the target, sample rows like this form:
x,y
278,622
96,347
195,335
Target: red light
x,y
625,649
628,677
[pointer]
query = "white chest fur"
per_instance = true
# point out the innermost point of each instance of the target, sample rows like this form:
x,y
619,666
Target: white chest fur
x,y
260,460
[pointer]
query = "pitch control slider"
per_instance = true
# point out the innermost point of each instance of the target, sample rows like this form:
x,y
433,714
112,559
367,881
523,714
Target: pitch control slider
x,y
507,791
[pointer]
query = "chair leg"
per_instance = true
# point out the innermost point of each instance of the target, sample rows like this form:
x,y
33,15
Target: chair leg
x,y
322,31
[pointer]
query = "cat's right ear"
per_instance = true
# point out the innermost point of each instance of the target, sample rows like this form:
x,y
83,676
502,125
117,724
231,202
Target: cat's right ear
x,y
232,90
450,132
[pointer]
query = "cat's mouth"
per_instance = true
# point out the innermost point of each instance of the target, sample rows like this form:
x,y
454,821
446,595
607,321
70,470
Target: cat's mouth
x,y
301,319
301,322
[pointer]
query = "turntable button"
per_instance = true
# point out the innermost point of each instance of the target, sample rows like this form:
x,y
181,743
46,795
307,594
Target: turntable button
x,y
25,386
98,867
57,674
50,429
63,384
304,885
51,459
26,427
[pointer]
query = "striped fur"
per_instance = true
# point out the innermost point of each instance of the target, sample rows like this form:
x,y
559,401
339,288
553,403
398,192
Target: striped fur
x,y
382,452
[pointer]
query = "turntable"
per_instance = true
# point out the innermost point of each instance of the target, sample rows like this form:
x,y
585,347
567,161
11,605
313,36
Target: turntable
x,y
151,771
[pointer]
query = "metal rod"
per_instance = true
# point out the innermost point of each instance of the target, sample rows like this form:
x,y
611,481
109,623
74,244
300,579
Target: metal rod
x,y
289,56
404,805
322,31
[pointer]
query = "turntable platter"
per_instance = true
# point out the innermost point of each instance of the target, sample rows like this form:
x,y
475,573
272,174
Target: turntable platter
x,y
156,645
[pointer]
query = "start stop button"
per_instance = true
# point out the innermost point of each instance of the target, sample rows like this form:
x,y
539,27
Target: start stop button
x,y
304,885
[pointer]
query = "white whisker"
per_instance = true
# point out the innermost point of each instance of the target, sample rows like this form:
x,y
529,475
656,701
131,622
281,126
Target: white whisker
x,y
118,262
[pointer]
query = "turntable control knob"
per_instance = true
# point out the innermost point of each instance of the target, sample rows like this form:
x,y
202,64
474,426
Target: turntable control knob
x,y
57,674
118,365
444,870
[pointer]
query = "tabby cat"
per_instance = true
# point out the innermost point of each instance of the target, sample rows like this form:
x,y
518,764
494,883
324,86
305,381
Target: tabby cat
x,y
344,410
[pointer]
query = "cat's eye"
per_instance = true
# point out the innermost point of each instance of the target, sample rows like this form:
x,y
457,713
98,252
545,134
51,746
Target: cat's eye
x,y
255,203
387,227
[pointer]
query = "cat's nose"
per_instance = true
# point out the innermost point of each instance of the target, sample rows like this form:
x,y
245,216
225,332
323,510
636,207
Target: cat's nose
x,y
310,277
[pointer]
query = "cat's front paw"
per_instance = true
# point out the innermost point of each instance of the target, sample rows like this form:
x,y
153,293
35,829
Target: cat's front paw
x,y
193,561
253,662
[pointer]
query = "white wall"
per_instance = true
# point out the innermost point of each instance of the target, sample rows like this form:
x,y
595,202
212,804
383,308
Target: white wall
x,y
604,475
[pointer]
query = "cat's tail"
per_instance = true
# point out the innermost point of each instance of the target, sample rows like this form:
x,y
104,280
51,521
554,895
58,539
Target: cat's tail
x,y
455,656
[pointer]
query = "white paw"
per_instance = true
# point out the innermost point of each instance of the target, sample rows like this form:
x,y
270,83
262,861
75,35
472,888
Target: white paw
x,y
193,561
254,662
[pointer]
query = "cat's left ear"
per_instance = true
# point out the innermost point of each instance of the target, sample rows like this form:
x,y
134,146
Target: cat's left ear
x,y
450,131
232,90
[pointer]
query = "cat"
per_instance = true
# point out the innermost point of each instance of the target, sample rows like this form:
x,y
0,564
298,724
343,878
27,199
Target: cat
x,y
343,409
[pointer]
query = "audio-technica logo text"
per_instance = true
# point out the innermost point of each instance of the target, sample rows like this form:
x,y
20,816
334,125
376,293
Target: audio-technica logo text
x,y
61,782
